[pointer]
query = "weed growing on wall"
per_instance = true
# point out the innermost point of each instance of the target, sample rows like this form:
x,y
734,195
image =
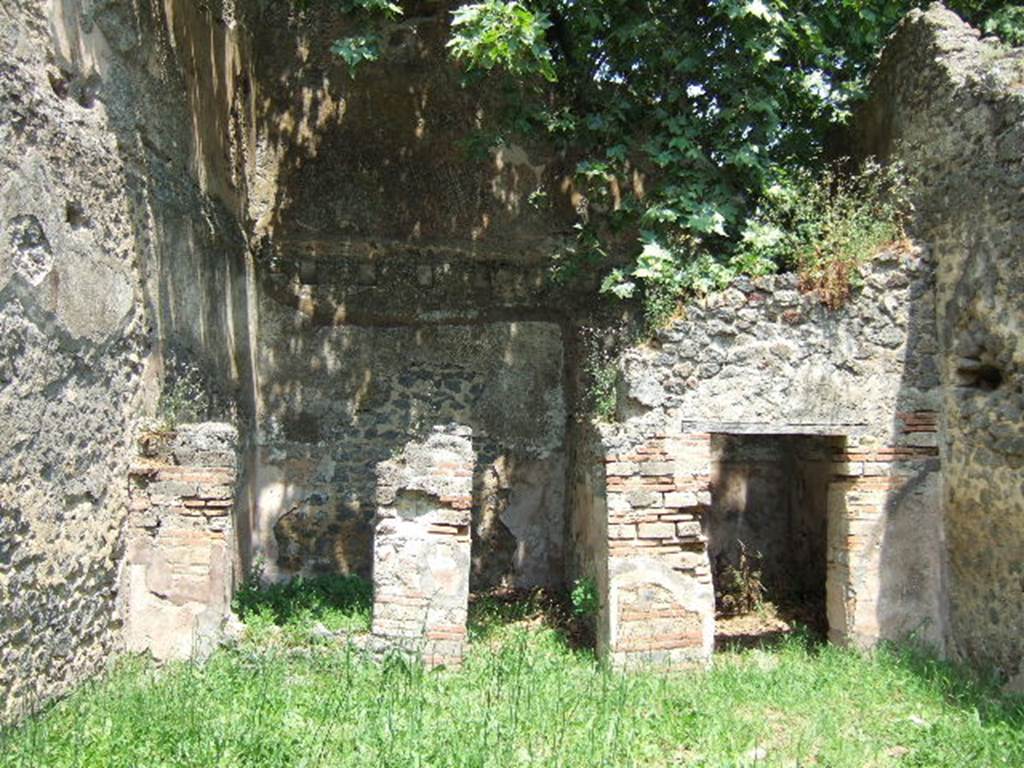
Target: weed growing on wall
x,y
585,597
190,395
182,401
826,227
600,382
604,379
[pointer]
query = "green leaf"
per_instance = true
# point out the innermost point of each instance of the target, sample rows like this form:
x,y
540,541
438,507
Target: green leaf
x,y
357,49
707,220
616,284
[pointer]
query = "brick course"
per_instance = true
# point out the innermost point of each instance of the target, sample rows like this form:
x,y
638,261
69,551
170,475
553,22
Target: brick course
x,y
422,547
180,561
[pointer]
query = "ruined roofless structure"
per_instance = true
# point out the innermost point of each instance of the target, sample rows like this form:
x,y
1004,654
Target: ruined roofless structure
x,y
205,213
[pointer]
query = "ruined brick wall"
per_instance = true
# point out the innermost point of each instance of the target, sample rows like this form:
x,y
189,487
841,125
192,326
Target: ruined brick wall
x,y
660,602
763,358
421,546
951,106
179,566
337,399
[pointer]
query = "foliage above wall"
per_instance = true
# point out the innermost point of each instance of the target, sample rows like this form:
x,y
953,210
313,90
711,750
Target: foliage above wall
x,y
692,122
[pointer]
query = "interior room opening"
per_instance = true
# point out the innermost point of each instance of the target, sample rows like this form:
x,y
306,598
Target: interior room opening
x,y
767,534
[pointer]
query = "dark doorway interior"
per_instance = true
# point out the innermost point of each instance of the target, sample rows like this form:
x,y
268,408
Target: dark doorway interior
x,y
767,534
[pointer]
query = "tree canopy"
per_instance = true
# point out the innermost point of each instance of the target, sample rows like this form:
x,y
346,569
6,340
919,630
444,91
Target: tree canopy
x,y
696,122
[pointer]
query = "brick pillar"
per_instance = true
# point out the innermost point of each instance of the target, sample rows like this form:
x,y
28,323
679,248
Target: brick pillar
x,y
180,550
870,478
421,546
660,605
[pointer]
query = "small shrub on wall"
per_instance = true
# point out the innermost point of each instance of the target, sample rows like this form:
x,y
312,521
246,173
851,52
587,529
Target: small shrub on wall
x,y
827,227
823,226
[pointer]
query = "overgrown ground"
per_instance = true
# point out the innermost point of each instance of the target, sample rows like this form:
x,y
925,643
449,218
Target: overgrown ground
x,y
525,696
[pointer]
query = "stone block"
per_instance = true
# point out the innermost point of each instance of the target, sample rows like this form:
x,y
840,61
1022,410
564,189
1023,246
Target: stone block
x,y
656,530
644,498
688,530
622,531
921,439
681,499
659,468
172,489
621,468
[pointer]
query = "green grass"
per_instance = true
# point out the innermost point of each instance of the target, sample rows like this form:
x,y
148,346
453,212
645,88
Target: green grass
x,y
291,610
524,697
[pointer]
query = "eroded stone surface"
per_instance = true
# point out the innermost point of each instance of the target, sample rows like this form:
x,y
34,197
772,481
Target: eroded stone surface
x,y
103,182
950,105
180,558
421,546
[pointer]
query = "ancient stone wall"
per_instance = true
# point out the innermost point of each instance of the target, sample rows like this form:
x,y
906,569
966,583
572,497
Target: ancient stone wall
x,y
403,283
180,553
145,147
337,399
763,358
182,179
116,242
951,106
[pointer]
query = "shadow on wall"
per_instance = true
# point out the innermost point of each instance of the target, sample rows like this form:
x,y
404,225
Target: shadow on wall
x,y
121,217
948,100
181,147
912,597
769,504
336,401
347,166
398,152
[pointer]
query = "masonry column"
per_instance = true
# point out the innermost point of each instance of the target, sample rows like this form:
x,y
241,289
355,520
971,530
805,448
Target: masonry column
x,y
421,546
884,536
660,606
180,542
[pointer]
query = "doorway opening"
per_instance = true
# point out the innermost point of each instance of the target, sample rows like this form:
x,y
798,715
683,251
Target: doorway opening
x,y
767,532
